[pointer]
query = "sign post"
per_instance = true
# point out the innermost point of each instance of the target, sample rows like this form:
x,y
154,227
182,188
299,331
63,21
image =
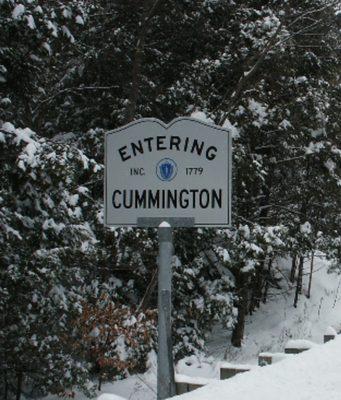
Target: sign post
x,y
167,176
165,368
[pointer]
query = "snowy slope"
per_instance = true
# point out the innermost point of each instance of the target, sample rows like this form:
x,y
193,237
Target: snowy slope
x,y
313,375
278,321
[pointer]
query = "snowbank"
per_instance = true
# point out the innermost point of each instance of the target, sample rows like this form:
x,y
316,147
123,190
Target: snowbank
x,y
193,380
299,344
107,396
245,367
313,375
330,331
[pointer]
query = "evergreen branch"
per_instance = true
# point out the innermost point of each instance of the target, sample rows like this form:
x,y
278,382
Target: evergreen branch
x,y
271,45
73,89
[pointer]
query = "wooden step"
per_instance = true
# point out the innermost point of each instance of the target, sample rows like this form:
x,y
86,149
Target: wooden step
x,y
228,370
267,358
329,335
185,384
298,346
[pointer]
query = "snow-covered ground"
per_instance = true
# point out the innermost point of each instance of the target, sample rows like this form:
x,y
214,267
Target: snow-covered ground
x,y
278,321
313,375
267,330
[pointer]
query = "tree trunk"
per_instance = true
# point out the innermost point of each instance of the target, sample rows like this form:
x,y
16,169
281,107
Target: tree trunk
x,y
5,386
257,288
293,269
311,274
238,330
266,289
19,385
298,290
149,9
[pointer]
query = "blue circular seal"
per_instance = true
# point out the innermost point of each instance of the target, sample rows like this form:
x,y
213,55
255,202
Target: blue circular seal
x,y
166,169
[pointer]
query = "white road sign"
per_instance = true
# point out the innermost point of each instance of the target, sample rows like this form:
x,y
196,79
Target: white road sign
x,y
175,171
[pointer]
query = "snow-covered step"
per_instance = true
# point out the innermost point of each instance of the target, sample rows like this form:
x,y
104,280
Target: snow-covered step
x,y
298,346
184,383
267,358
228,370
330,334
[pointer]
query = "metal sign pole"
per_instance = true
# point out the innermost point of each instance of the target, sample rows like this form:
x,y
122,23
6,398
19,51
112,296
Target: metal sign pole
x,y
182,170
165,368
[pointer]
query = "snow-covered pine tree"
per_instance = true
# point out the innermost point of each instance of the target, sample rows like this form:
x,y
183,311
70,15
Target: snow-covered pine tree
x,y
278,109
34,35
55,275
43,238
